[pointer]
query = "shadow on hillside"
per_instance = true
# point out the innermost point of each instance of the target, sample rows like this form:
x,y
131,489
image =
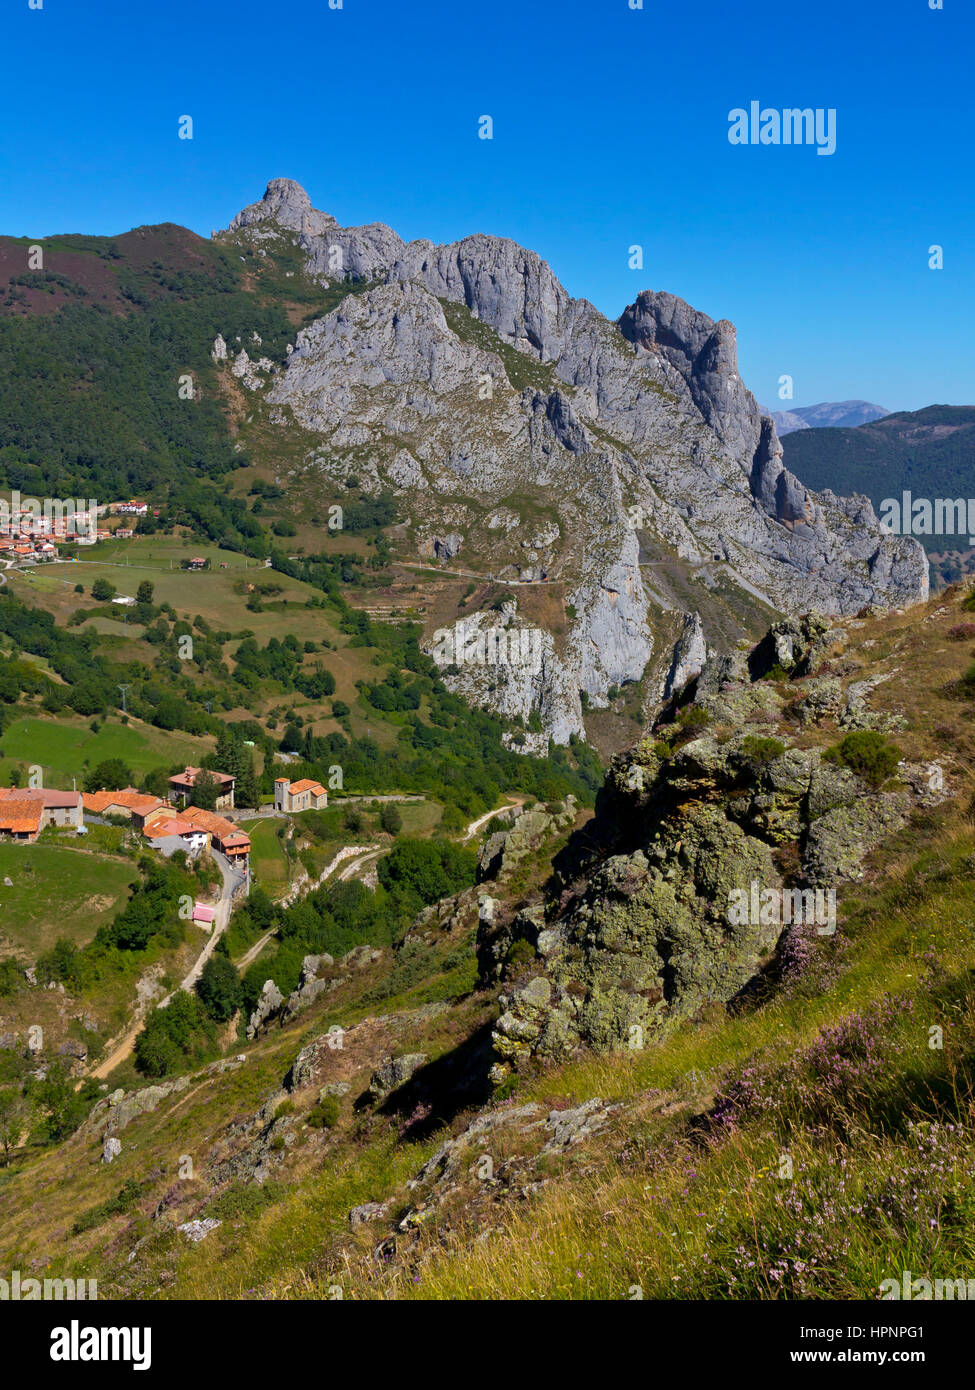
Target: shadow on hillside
x,y
440,1090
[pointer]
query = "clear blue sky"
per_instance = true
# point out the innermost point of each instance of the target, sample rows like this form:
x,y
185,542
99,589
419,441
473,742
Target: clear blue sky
x,y
611,128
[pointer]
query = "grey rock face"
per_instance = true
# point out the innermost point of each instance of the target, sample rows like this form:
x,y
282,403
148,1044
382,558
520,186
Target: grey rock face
x,y
466,372
506,286
333,251
690,655
446,547
269,1002
495,659
705,354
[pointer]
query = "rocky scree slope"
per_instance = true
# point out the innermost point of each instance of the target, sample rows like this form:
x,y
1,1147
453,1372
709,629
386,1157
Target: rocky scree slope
x,y
531,439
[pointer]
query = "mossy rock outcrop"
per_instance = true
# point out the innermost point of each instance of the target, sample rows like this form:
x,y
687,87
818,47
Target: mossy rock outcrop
x,y
651,938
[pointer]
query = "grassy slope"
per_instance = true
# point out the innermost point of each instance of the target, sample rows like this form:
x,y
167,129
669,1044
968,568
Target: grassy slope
x,y
269,862
657,1200
62,747
217,595
57,891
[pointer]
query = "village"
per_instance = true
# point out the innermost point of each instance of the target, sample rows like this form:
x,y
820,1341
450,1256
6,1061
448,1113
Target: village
x,y
166,825
32,532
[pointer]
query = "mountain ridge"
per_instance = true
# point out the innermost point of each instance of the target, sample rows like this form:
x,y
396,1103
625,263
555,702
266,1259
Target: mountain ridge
x,y
645,421
929,453
826,415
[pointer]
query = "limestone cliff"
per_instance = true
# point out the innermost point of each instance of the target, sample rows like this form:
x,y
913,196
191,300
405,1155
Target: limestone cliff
x,y
625,461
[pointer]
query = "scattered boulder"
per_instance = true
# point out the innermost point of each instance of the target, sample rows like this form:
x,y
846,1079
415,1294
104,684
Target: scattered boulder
x,y
336,1089
570,1127
368,1211
504,849
359,957
444,1163
650,936
268,1003
797,645
312,966
114,1112
393,1073
199,1229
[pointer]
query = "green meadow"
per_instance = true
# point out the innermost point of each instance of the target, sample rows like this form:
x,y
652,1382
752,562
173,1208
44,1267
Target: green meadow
x,y
57,891
63,747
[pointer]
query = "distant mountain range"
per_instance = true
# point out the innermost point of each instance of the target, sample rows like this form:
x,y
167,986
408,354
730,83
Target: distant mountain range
x,y
826,415
929,452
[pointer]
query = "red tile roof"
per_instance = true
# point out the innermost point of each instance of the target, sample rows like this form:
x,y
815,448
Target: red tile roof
x,y
188,778
225,831
139,802
157,827
20,817
306,786
48,797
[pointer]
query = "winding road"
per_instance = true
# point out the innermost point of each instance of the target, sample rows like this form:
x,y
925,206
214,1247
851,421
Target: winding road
x,y
232,879
360,856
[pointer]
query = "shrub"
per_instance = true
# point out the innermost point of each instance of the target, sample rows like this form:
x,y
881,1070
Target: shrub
x,y
693,717
242,1200
521,953
762,751
219,988
867,754
390,818
325,1114
127,1194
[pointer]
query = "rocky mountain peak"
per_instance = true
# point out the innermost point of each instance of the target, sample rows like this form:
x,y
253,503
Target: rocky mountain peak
x,y
286,203
705,353
634,448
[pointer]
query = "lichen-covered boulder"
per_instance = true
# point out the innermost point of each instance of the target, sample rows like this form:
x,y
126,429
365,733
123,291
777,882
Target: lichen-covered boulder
x,y
651,936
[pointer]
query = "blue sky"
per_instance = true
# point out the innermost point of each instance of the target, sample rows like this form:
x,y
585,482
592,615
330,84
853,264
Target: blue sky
x,y
610,130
